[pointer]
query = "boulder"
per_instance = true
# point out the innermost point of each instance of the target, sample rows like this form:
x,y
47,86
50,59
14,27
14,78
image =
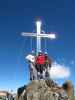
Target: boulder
x,y
43,90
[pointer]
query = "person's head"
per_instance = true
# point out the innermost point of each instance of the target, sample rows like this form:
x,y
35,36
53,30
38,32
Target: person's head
x,y
46,53
33,52
67,86
40,52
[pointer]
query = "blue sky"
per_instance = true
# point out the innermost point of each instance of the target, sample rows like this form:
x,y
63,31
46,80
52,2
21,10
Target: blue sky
x,y
17,16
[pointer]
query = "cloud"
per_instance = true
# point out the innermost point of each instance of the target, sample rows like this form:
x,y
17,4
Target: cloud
x,y
59,71
72,62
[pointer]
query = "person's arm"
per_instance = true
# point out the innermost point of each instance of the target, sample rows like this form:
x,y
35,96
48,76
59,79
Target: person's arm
x,y
50,60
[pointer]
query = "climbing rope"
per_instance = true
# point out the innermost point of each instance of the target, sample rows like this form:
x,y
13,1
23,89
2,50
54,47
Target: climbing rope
x,y
31,44
45,45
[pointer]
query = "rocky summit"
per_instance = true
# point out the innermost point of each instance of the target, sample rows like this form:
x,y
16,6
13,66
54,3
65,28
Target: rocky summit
x,y
43,90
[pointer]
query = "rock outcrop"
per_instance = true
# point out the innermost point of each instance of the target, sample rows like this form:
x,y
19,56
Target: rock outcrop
x,y
43,90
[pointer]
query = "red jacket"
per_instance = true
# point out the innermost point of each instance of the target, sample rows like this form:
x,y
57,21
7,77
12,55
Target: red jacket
x,y
40,59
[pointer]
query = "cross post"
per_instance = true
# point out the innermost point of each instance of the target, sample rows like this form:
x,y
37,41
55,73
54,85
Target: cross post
x,y
38,26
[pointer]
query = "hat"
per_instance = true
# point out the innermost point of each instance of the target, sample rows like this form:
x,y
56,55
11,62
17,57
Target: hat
x,y
40,51
46,53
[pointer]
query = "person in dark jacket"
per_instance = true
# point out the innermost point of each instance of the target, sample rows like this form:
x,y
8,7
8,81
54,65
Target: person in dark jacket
x,y
47,65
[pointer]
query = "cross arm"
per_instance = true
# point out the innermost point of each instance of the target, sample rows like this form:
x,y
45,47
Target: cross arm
x,y
28,34
50,36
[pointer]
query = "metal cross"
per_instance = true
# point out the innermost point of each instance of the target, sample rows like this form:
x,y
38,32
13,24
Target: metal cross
x,y
39,35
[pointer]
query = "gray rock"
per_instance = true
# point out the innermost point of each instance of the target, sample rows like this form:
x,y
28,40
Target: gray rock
x,y
42,90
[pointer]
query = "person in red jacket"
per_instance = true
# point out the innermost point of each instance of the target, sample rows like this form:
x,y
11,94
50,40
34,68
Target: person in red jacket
x,y
40,61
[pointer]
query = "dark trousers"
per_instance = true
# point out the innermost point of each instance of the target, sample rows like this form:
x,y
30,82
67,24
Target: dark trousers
x,y
40,68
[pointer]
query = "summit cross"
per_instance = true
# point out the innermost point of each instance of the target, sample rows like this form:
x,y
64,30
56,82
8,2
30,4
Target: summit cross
x,y
38,35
